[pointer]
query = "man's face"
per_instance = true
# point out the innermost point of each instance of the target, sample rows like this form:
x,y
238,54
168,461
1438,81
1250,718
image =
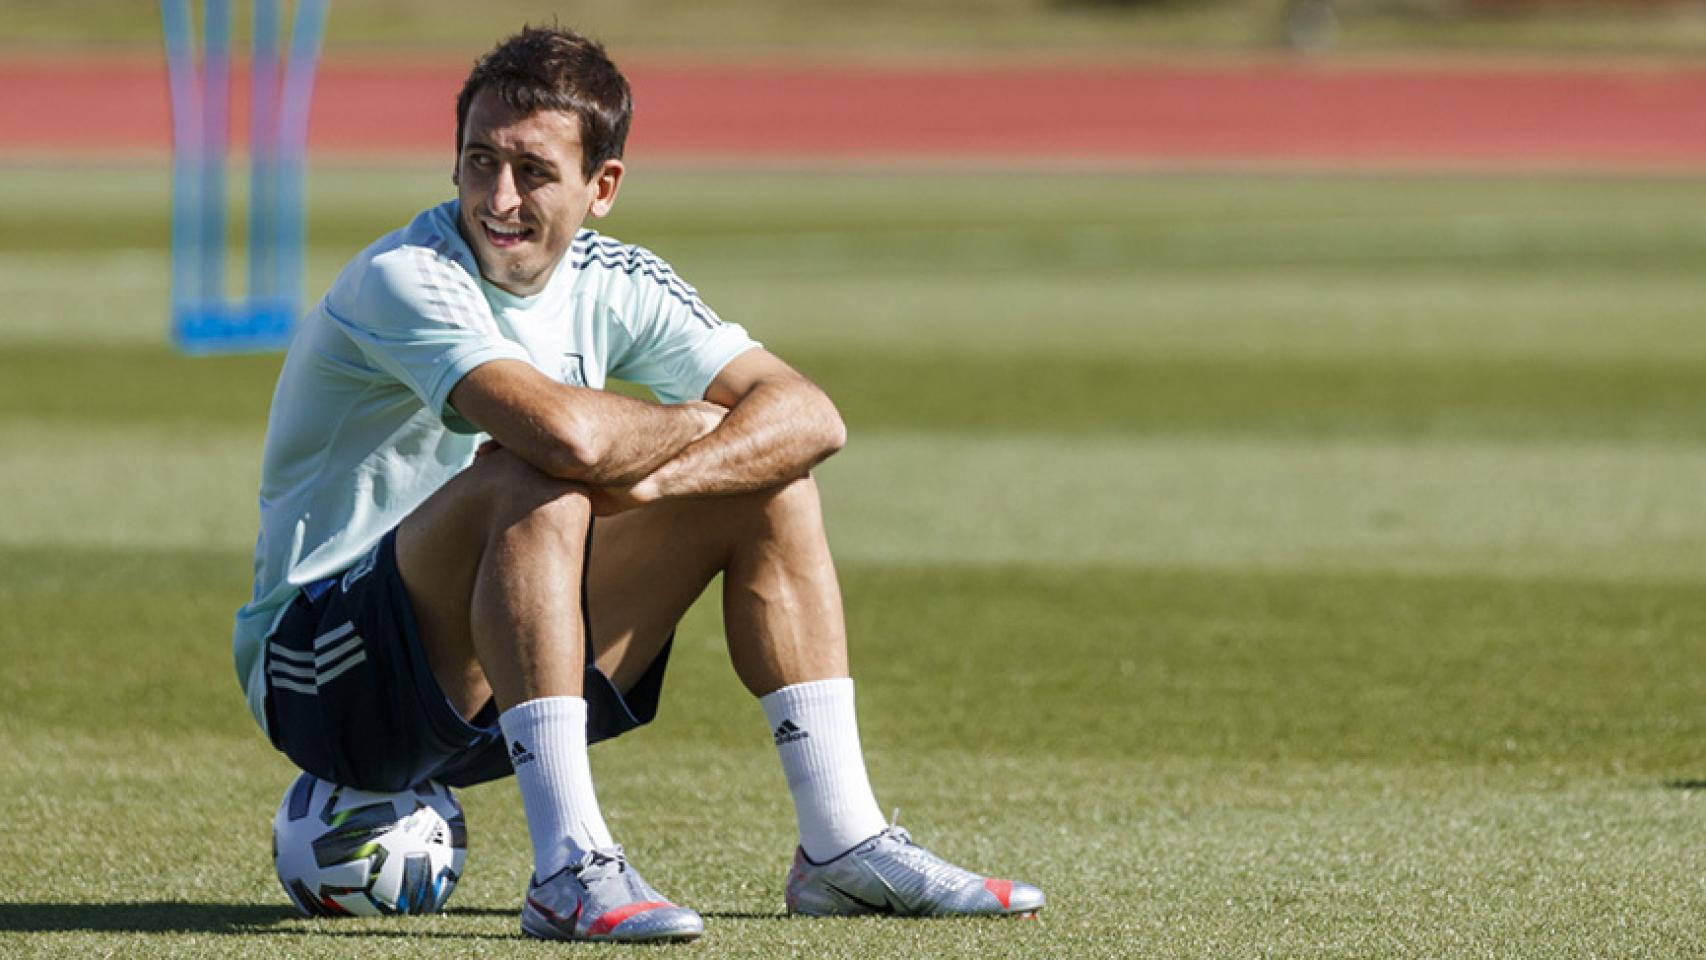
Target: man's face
x,y
523,196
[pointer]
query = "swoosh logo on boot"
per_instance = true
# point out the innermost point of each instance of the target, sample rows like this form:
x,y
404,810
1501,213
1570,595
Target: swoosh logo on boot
x,y
885,907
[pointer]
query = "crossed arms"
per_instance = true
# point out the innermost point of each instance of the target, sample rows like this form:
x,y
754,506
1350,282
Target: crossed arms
x,y
761,424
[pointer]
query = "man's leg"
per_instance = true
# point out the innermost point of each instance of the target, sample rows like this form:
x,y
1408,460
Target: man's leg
x,y
787,639
485,560
493,564
783,620
781,602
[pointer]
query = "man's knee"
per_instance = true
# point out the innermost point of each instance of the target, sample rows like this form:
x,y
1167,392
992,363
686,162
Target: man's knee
x,y
510,490
440,545
788,517
499,494
796,501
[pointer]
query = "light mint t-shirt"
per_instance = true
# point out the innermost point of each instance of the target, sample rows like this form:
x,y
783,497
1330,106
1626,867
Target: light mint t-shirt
x,y
361,429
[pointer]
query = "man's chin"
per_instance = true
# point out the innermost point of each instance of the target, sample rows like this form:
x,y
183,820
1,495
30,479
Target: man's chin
x,y
510,276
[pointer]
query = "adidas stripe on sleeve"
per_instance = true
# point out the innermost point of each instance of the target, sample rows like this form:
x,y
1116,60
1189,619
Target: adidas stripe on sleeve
x,y
672,341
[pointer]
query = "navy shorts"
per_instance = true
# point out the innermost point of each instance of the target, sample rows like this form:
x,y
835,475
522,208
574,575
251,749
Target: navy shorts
x,y
351,699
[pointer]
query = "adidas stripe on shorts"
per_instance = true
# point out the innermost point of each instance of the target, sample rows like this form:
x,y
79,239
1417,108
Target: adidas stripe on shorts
x,y
351,699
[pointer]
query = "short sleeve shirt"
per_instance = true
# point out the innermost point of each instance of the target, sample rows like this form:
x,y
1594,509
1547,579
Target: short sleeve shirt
x,y
361,429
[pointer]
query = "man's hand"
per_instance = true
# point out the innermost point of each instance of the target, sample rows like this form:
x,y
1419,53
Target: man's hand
x,y
611,499
779,426
711,415
607,500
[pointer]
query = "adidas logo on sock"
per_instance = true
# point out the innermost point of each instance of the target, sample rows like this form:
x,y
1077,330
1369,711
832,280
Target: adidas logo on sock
x,y
519,754
789,732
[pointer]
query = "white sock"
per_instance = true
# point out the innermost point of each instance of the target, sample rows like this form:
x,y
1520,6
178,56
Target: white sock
x,y
817,735
547,747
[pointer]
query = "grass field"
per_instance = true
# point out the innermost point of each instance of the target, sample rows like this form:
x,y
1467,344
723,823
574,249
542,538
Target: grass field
x,y
1263,566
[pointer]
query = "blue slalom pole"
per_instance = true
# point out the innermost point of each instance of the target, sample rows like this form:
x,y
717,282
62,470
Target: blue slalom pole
x,y
204,319
297,98
186,155
265,286
215,122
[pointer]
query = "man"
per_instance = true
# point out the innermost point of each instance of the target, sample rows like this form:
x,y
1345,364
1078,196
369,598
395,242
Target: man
x,y
429,605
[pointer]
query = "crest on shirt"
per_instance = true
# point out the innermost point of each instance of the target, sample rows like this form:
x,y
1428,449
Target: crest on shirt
x,y
574,370
361,568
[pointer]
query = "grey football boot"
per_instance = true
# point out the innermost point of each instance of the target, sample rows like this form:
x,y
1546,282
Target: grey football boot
x,y
602,898
889,874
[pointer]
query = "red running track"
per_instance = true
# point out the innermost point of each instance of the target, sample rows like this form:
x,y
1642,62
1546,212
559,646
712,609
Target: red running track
x,y
1257,113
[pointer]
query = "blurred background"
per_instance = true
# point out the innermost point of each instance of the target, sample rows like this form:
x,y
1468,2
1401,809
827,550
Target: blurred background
x,y
1645,27
1272,521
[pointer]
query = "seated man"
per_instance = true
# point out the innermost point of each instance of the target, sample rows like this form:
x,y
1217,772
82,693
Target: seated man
x,y
431,606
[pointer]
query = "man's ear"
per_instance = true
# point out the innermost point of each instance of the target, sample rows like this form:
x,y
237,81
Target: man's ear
x,y
607,180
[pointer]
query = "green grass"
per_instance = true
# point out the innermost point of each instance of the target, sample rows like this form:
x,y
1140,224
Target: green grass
x,y
1266,567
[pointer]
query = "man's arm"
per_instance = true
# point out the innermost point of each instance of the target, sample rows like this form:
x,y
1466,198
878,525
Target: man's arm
x,y
779,426
577,433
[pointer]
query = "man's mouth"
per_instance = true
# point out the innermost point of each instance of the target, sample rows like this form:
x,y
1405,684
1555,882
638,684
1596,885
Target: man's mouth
x,y
503,235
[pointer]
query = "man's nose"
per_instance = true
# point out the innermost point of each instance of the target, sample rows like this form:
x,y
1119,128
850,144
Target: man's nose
x,y
505,196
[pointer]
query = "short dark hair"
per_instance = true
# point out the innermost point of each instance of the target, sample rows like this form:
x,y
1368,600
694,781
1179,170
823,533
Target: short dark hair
x,y
553,68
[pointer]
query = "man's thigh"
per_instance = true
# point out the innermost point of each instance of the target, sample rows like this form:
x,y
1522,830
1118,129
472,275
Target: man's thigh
x,y
648,565
350,696
442,548
645,568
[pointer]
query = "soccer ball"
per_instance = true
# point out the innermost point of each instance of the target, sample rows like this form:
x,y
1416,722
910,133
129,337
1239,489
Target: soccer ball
x,y
346,852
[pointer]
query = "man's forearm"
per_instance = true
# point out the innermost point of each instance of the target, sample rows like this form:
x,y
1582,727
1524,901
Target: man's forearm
x,y
577,433
776,433
623,440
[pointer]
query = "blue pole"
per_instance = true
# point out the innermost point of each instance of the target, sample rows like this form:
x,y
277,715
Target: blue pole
x,y
186,153
297,100
281,89
265,283
216,97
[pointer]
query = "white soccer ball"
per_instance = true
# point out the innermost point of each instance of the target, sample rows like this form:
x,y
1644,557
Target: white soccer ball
x,y
346,852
